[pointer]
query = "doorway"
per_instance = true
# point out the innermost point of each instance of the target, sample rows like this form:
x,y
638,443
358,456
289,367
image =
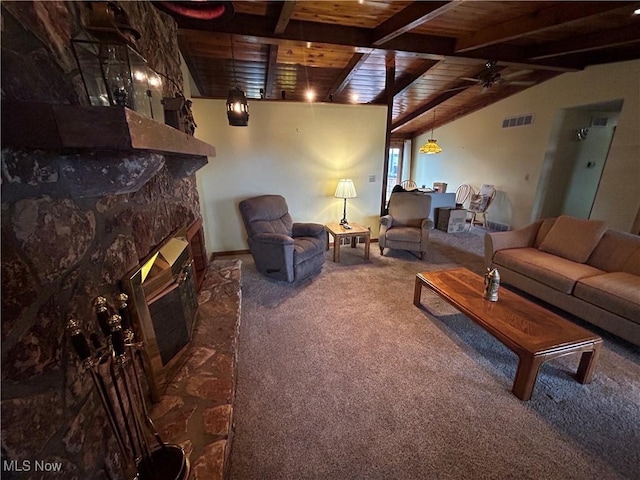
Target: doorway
x,y
398,166
394,170
575,159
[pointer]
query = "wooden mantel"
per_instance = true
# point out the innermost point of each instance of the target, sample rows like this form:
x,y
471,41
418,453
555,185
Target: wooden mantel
x,y
90,151
61,127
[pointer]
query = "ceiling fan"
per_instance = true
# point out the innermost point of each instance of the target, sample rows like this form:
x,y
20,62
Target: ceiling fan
x,y
490,76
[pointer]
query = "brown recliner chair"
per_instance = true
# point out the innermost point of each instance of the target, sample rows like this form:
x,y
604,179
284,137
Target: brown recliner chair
x,y
282,249
407,225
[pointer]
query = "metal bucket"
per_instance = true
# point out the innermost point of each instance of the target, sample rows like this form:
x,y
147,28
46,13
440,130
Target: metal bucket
x,y
167,462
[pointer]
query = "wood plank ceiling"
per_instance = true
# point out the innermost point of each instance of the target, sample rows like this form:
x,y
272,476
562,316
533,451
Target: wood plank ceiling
x,y
420,57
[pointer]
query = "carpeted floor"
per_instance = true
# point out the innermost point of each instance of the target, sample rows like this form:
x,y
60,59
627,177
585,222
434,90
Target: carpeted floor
x,y
341,377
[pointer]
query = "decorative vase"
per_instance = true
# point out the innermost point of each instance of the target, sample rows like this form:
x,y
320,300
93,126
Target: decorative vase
x,y
491,284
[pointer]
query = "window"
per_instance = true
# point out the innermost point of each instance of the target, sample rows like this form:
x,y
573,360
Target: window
x,y
393,170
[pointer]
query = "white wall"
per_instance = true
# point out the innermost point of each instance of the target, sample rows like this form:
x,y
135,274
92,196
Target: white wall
x,y
567,169
298,150
477,150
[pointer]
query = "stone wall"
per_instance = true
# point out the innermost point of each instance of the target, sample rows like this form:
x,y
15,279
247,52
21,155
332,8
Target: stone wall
x,y
61,250
37,53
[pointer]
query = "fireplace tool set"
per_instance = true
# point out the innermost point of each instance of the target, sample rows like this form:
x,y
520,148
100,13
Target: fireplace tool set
x,y
124,401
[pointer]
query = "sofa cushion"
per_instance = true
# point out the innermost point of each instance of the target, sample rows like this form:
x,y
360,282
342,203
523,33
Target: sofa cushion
x,y
266,213
409,209
306,247
543,230
404,234
573,238
633,264
617,292
615,251
556,272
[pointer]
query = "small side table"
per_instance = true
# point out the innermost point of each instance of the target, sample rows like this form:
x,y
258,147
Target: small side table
x,y
339,232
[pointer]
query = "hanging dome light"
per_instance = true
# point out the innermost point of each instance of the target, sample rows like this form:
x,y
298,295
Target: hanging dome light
x,y
431,147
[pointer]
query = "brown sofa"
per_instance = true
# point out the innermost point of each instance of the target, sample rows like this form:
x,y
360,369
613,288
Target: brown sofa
x,y
578,265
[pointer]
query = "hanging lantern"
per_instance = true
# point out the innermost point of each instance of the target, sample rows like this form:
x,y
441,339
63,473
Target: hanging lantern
x,y
237,108
114,74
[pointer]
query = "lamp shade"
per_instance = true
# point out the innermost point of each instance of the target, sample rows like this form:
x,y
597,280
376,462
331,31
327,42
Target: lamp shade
x,y
346,189
431,147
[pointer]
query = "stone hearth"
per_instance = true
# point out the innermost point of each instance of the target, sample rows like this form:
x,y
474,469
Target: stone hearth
x,y
196,411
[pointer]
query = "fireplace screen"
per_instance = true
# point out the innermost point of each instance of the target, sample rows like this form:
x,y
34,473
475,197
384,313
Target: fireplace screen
x,y
163,297
171,316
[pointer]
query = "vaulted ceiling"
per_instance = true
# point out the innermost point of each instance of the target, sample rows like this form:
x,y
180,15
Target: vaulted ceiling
x,y
431,62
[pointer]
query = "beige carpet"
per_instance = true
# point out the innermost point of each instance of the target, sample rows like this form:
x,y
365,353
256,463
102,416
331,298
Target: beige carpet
x,y
341,377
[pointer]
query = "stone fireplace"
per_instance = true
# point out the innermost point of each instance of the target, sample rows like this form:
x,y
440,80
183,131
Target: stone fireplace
x,y
163,301
87,194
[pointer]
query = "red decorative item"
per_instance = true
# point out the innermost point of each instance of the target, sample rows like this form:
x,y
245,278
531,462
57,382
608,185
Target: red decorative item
x,y
198,9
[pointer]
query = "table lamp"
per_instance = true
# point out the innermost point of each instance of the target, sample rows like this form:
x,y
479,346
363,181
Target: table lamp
x,y
346,189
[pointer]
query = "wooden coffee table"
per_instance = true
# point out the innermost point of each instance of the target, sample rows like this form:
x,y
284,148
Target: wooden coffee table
x,y
339,232
532,332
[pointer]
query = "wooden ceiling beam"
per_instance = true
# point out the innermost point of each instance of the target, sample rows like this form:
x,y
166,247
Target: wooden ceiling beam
x,y
610,55
405,81
424,108
355,62
450,92
390,75
270,76
407,19
535,23
512,56
507,54
614,37
284,16
253,28
480,102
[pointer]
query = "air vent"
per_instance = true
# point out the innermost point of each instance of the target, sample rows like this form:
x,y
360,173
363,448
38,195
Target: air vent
x,y
520,121
599,121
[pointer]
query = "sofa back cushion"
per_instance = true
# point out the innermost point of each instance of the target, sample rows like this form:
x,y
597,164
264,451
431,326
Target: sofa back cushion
x,y
408,209
573,238
615,253
545,226
633,264
266,214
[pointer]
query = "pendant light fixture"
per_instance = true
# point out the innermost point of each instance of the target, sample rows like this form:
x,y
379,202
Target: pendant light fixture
x,y
237,107
431,147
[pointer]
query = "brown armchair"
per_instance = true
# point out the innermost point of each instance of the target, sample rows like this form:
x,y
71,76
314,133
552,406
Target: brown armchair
x,y
407,225
282,249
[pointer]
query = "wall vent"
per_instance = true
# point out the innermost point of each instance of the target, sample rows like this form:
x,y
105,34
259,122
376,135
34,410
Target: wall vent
x,y
498,227
519,121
